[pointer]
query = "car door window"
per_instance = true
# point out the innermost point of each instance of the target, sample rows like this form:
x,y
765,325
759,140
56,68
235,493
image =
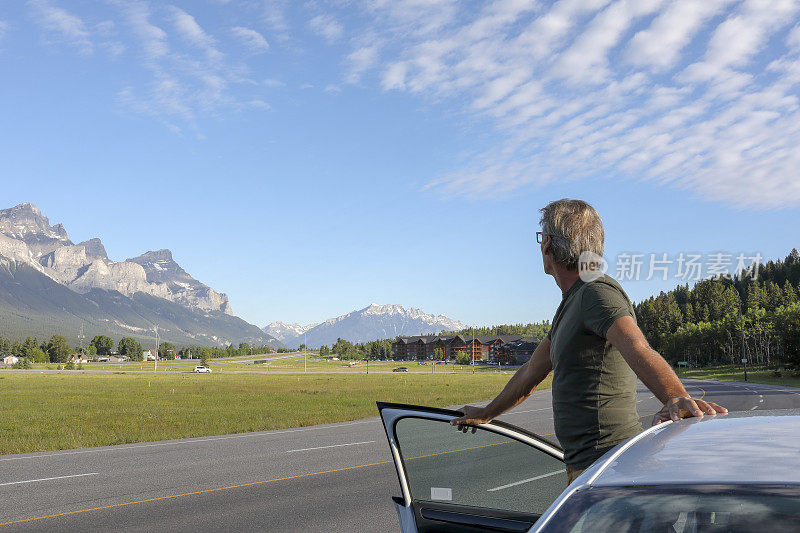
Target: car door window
x,y
484,469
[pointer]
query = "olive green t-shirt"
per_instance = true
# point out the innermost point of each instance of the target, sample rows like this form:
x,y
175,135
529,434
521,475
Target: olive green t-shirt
x,y
594,389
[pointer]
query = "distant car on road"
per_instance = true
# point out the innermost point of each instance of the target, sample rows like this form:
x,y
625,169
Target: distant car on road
x,y
400,369
504,478
423,363
201,370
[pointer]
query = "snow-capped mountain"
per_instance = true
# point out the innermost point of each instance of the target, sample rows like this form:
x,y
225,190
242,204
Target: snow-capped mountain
x,y
282,331
38,263
372,323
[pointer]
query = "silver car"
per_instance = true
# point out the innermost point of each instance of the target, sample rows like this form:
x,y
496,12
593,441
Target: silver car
x,y
735,472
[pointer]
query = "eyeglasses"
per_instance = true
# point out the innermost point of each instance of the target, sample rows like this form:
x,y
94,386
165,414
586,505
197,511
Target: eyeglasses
x,y
540,235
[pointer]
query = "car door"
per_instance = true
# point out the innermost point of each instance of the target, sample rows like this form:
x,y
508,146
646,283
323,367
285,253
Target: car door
x,y
500,478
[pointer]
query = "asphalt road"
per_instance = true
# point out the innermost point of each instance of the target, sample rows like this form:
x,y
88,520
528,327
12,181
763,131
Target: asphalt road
x,y
335,477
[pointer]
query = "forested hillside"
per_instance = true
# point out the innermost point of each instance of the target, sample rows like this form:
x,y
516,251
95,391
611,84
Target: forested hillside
x,y
702,324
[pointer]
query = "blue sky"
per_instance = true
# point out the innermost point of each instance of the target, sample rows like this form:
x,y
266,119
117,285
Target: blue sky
x,y
309,158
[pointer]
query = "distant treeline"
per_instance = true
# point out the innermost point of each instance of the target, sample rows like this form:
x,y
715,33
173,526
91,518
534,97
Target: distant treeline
x,y
57,350
381,349
538,330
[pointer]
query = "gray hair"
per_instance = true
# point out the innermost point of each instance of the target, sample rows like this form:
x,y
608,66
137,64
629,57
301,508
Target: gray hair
x,y
573,227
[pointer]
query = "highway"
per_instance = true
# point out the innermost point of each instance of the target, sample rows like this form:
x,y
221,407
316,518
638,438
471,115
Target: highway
x,y
333,477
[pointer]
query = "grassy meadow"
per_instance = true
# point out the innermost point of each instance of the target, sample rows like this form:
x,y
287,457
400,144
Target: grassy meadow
x,y
290,364
50,411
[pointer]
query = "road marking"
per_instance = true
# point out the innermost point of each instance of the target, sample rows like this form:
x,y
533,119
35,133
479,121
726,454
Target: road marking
x,y
192,493
205,439
754,408
525,481
331,446
47,479
528,411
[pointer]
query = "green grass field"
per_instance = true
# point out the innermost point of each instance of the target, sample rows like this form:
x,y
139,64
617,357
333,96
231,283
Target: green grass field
x,y
736,373
49,411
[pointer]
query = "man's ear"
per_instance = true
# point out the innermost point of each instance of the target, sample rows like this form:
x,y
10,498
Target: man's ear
x,y
546,247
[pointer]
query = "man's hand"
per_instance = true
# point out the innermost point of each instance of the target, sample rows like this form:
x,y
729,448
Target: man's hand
x,y
473,416
684,407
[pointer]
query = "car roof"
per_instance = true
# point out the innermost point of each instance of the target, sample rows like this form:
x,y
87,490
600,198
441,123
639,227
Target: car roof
x,y
754,447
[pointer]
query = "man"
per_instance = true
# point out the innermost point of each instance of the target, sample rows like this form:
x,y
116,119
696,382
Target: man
x,y
594,349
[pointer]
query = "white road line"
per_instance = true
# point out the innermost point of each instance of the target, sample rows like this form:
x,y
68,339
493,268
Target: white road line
x,y
47,479
170,443
754,408
525,481
528,411
331,446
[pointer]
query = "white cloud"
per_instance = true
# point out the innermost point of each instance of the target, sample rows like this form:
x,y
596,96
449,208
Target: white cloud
x,y
587,58
726,127
326,27
152,38
270,82
259,104
3,29
190,30
274,16
64,25
253,40
361,60
659,46
189,79
736,40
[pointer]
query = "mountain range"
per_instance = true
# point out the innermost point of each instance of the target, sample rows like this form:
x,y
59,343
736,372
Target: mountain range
x,y
368,324
50,285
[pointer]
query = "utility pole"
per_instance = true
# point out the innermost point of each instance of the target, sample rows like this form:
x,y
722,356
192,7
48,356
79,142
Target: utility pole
x,y
81,338
305,352
741,325
473,349
155,363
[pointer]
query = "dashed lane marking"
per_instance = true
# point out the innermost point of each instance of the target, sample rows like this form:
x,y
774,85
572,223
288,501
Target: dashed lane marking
x,y
47,479
331,446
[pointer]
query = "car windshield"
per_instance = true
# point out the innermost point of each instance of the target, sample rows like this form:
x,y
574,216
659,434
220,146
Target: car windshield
x,y
696,509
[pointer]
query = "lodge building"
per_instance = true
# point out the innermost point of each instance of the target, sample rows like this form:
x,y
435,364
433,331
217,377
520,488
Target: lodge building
x,y
507,349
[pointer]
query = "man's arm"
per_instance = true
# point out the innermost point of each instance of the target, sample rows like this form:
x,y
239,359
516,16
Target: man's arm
x,y
518,388
656,373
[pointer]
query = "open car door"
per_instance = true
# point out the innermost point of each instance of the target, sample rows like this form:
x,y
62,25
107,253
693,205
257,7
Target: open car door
x,y
501,478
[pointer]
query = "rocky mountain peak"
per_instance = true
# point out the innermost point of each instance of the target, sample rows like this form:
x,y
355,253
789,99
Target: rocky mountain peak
x,y
160,267
155,256
25,222
26,235
94,248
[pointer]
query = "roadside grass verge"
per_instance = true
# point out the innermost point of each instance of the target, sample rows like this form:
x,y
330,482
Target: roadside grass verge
x,y
736,373
75,410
